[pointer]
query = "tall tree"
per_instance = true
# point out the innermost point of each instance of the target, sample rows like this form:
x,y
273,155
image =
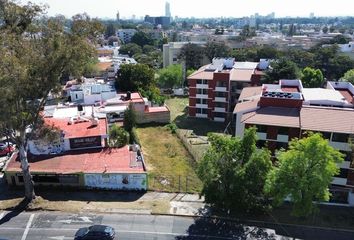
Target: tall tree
x,y
325,29
110,30
304,173
33,57
282,69
130,49
171,76
349,76
135,77
311,78
192,54
216,49
141,38
233,172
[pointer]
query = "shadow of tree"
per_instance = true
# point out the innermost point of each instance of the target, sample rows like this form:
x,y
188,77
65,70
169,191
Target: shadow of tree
x,y
212,228
15,211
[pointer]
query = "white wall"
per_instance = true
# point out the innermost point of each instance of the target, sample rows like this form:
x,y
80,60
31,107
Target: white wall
x,y
39,147
115,181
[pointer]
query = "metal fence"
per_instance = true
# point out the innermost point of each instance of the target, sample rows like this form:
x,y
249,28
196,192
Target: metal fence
x,y
179,183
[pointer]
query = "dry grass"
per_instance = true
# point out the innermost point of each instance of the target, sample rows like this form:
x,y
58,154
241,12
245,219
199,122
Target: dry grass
x,y
169,163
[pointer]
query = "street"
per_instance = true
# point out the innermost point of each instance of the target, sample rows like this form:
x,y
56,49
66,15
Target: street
x,y
61,226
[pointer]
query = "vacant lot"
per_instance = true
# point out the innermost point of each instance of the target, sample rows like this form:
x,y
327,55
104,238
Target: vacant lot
x,y
179,116
170,166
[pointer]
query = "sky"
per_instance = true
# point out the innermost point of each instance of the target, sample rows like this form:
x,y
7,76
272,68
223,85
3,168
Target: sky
x,y
199,8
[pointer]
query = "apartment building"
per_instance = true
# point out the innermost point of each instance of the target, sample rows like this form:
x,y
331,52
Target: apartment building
x,y
125,35
215,88
286,110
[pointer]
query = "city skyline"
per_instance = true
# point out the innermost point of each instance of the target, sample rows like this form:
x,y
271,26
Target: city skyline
x,y
197,8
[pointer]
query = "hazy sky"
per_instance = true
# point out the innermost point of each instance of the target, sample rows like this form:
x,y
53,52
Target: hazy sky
x,y
200,8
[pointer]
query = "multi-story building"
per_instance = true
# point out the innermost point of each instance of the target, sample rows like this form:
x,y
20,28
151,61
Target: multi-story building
x,y
125,35
287,110
172,50
215,88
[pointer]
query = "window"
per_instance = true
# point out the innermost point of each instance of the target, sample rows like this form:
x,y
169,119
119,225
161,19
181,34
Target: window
x,y
201,81
340,137
174,59
261,143
261,128
220,94
204,111
283,131
347,156
221,84
220,105
343,173
219,114
45,179
202,91
326,135
202,101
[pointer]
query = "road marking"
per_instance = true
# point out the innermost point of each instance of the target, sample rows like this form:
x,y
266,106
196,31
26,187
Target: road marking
x,y
27,227
60,238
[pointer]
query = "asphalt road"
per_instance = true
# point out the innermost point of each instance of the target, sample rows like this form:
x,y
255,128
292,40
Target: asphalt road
x,y
60,226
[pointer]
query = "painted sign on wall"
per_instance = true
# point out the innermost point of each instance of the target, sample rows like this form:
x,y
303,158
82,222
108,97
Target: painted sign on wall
x,y
116,181
85,142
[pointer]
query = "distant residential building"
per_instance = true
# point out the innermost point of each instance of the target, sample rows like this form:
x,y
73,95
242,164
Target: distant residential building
x,y
125,35
284,111
215,88
346,48
172,50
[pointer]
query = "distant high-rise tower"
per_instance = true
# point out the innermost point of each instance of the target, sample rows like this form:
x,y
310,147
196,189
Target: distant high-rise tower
x,y
312,15
117,16
167,10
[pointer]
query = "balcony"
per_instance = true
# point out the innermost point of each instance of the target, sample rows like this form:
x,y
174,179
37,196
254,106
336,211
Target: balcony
x,y
339,181
199,115
340,146
202,86
201,105
219,109
201,96
219,119
220,89
220,99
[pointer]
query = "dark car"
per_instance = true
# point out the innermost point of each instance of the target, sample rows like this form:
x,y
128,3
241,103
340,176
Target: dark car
x,y
95,232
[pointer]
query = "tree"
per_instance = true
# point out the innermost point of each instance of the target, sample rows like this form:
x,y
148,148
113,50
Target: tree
x,y
349,76
311,78
130,49
135,77
192,54
113,39
140,38
118,137
292,30
216,49
171,76
304,173
110,30
233,172
31,67
302,58
247,32
325,29
332,29
282,69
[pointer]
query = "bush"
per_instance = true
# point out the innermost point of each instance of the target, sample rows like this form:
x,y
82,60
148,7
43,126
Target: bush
x,y
173,127
118,137
134,137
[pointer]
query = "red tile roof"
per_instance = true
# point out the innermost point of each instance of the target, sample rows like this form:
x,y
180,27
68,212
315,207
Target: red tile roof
x,y
347,94
250,92
80,129
243,75
157,109
246,106
107,160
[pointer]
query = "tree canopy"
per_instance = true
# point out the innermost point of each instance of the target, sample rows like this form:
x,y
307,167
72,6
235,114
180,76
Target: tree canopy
x,y
282,69
171,76
349,76
233,172
216,49
304,173
141,38
118,137
130,49
311,78
34,55
192,54
132,77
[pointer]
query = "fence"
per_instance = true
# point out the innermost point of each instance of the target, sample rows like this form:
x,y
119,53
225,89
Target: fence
x,y
179,183
196,145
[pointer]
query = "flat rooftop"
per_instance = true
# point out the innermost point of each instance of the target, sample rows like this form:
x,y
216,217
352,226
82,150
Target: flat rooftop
x,y
107,160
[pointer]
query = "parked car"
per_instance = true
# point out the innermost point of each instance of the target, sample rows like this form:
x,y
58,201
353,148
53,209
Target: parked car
x,y
6,149
96,232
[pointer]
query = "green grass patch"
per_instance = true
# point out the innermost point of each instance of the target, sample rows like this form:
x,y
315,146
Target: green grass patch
x,y
171,168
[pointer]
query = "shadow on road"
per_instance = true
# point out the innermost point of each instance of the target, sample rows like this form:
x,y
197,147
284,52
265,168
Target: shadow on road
x,y
15,211
211,228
